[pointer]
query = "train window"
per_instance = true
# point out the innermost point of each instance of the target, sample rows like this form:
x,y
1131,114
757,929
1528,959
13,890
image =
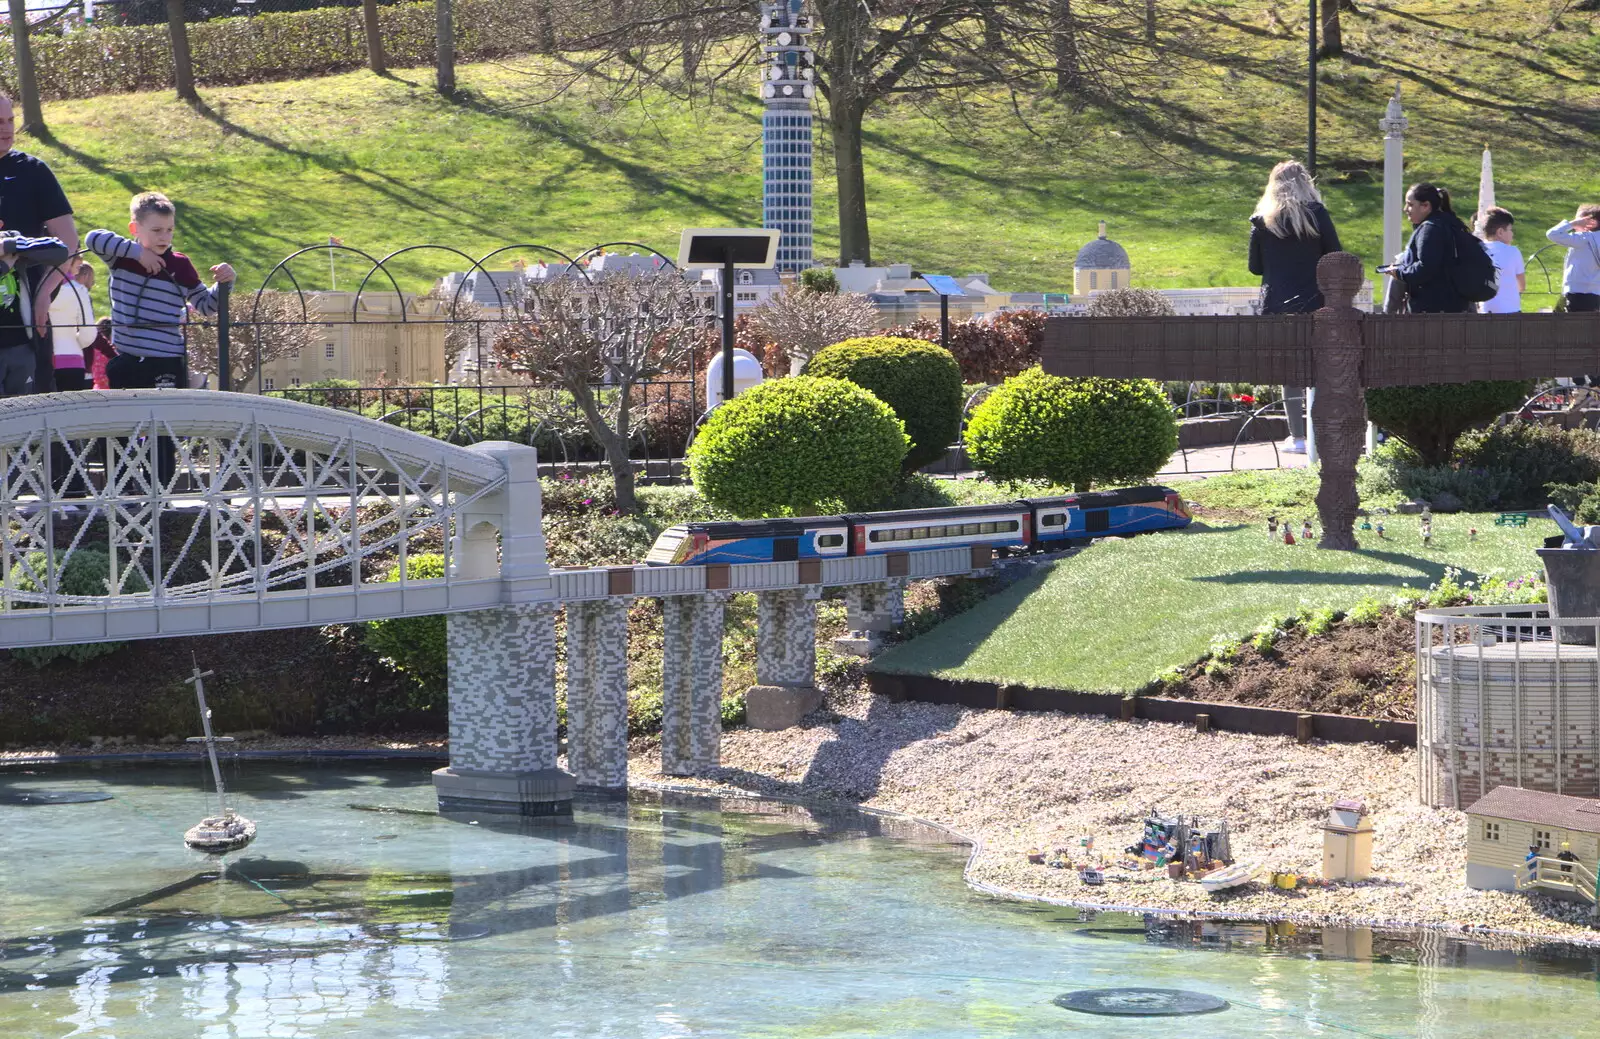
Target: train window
x,y
881,535
903,534
830,540
918,533
971,528
1008,527
986,528
1054,519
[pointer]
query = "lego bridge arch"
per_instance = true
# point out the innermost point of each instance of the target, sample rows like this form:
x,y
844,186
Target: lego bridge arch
x,y
151,513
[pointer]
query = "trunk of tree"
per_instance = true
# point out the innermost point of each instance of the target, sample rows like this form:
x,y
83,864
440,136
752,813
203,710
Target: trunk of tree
x,y
1150,20
375,57
614,442
182,64
1332,33
544,27
855,240
444,49
27,78
994,37
1065,42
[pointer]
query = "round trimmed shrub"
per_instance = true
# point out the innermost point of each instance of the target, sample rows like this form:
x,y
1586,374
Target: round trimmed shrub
x,y
920,381
1428,419
1072,431
416,646
796,447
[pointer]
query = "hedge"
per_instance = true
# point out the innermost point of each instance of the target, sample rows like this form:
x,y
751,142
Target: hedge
x,y
87,571
1428,419
919,380
1072,431
416,646
798,446
119,59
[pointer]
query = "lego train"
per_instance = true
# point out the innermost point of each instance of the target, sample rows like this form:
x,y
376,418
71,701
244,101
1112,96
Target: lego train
x,y
1024,525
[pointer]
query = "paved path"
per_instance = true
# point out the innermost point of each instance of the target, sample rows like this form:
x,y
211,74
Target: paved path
x,y
1208,461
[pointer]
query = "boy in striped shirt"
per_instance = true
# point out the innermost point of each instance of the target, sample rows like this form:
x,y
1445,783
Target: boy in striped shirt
x,y
151,285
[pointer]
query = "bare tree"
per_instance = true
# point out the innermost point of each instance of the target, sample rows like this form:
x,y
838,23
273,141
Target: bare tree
x,y
376,60
182,63
599,340
468,330
868,53
801,322
27,76
262,332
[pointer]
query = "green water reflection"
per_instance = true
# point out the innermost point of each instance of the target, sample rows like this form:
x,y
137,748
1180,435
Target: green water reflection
x,y
359,912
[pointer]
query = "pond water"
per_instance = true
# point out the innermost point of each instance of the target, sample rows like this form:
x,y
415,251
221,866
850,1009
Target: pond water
x,y
359,912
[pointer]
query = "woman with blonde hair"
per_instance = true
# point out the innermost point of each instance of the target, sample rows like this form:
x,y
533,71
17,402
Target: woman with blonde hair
x,y
1289,232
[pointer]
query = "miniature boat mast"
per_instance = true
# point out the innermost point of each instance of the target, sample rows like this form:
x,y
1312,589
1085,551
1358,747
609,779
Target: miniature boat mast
x,y
198,678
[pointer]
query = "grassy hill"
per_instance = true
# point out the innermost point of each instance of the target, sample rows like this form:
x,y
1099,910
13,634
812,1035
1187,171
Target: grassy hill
x,y
382,162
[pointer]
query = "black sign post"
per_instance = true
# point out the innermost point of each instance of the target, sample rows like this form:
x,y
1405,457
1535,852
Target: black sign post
x,y
727,249
946,287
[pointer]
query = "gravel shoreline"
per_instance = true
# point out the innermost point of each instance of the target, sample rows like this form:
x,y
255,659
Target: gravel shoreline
x,y
1011,781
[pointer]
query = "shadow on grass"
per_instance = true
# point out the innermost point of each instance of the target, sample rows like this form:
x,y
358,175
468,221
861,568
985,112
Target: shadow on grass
x,y
1429,570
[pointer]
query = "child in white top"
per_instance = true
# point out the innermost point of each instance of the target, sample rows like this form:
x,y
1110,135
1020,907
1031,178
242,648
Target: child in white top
x,y
1497,235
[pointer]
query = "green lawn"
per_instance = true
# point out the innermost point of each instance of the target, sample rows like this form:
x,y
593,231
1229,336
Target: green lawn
x,y
1112,617
384,162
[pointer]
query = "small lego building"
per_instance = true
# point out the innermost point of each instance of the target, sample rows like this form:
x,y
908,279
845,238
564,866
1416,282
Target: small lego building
x,y
1347,842
1516,837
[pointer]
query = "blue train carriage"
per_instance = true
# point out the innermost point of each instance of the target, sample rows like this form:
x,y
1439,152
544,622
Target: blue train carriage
x,y
1097,514
1027,524
1006,526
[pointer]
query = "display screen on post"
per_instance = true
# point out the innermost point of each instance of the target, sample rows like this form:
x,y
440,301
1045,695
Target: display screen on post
x,y
710,247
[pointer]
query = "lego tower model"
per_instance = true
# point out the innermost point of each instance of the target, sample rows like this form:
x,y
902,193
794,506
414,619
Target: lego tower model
x,y
786,130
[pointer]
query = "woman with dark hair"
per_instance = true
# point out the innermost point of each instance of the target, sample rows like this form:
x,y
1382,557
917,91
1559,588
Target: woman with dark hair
x,y
1428,265
1289,232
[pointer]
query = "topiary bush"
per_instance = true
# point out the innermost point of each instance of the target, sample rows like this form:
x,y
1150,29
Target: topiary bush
x,y
920,381
1130,303
416,646
798,446
1072,431
87,571
1430,418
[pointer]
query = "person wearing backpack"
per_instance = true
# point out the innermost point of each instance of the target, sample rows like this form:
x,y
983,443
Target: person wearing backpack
x,y
1445,267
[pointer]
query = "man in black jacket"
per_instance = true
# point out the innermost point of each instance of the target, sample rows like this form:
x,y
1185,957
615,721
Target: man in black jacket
x,y
33,205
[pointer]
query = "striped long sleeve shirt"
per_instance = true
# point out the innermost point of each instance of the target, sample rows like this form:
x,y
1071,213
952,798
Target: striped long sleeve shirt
x,y
147,310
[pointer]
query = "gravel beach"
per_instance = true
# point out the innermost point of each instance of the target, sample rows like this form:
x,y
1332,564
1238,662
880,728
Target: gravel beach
x,y
1015,781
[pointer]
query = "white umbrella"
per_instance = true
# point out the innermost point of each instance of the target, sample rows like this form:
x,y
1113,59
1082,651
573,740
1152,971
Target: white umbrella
x,y
1485,184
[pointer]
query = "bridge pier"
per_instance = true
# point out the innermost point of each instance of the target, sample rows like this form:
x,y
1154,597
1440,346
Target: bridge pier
x,y
691,713
503,714
786,658
871,610
597,693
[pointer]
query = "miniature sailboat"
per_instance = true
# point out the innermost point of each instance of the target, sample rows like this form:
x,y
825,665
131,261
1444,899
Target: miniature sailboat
x,y
227,830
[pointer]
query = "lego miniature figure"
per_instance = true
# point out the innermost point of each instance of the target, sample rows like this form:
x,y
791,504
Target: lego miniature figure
x,y
1305,530
1288,534
1272,528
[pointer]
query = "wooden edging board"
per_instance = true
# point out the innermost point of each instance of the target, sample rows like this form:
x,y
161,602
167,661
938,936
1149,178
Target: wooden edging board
x,y
1228,717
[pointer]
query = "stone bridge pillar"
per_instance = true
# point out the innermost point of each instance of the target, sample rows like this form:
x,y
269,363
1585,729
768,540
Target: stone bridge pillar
x,y
871,611
691,717
786,658
597,693
503,714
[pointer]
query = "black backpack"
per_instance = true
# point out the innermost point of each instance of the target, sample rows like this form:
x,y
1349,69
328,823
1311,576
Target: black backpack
x,y
1475,276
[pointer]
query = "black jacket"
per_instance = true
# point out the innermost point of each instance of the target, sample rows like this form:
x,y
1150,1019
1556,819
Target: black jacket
x,y
1288,266
1428,266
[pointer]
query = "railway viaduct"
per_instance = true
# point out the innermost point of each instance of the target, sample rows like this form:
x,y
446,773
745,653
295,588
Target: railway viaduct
x,y
268,513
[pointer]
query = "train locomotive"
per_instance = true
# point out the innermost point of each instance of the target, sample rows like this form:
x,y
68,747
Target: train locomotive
x,y
1024,525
